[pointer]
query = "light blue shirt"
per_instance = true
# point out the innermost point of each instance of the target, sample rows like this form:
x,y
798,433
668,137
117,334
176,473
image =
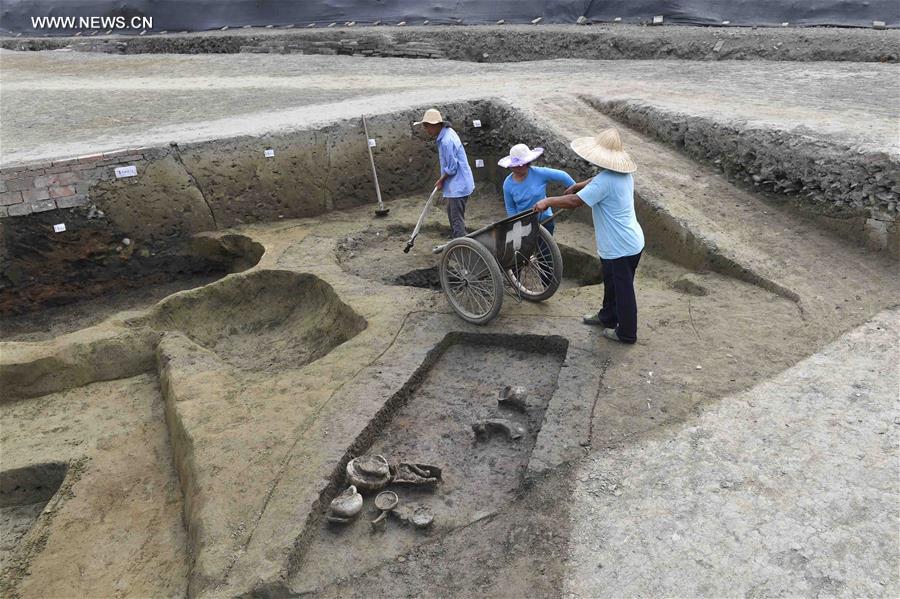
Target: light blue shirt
x,y
455,164
611,198
522,195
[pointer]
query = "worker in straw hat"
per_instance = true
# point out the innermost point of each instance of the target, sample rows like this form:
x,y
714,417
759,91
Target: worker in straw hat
x,y
620,239
527,184
456,180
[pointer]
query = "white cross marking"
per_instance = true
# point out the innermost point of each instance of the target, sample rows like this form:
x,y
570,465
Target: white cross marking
x,y
516,234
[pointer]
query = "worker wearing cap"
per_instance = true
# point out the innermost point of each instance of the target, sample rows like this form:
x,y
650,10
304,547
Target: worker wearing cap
x,y
619,237
456,181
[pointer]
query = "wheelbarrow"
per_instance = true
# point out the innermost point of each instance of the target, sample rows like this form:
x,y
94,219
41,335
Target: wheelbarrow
x,y
516,255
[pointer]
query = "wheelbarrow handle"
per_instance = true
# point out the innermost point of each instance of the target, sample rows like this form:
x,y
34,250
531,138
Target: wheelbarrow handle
x,y
554,215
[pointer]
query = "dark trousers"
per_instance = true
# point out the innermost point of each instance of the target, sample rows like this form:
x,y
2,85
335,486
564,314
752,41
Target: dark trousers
x,y
619,304
456,212
550,226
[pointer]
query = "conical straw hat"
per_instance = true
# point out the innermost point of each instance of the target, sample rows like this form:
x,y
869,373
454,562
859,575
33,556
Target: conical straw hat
x,y
605,150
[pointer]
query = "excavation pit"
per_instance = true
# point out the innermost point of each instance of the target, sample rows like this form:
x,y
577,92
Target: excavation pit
x,y
266,321
432,424
378,255
76,288
425,278
24,493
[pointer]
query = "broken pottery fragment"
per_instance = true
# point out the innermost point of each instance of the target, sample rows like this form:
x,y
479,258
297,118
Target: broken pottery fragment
x,y
421,475
513,397
484,428
419,516
345,506
422,517
369,473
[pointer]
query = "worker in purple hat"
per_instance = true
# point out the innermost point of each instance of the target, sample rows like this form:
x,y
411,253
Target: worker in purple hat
x,y
526,184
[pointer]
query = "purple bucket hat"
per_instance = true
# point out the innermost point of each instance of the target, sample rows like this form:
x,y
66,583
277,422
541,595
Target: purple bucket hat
x,y
520,155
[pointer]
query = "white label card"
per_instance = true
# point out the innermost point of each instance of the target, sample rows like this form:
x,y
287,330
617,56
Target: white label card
x,y
126,171
59,228
658,19
476,123
371,143
479,163
269,153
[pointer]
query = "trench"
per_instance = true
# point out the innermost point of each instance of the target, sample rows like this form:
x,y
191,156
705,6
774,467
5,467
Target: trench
x,y
82,282
431,422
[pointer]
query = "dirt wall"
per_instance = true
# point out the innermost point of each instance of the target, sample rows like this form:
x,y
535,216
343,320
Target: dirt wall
x,y
509,43
850,190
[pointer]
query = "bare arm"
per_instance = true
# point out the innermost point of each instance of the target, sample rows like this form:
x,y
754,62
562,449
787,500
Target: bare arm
x,y
578,186
569,201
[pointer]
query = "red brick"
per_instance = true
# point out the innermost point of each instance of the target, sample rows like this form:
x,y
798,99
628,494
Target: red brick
x,y
66,162
33,195
62,191
19,209
72,201
12,172
43,206
66,178
19,184
7,198
116,153
89,158
61,169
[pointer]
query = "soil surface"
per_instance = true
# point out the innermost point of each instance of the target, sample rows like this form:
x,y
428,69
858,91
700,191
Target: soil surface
x,y
129,101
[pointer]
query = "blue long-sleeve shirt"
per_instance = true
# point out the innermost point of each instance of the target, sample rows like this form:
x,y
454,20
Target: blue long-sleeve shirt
x,y
455,164
522,195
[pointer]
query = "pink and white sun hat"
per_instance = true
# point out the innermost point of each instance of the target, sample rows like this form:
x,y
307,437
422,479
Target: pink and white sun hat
x,y
520,155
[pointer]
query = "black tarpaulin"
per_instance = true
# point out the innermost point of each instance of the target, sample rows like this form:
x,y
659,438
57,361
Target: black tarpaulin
x,y
198,15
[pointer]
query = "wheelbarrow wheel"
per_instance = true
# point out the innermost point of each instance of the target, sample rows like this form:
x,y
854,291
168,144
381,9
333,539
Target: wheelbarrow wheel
x,y
471,280
538,278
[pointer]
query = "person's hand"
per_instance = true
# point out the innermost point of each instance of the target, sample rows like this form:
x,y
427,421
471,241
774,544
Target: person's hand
x,y
439,184
541,205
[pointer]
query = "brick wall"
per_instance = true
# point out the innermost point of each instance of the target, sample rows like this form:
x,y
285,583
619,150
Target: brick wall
x,y
44,186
